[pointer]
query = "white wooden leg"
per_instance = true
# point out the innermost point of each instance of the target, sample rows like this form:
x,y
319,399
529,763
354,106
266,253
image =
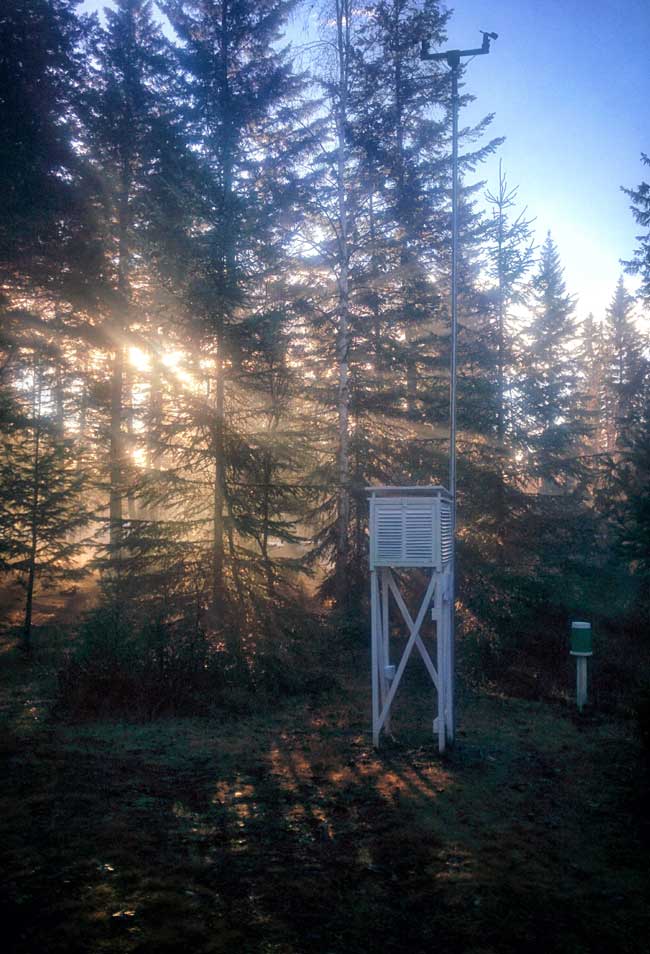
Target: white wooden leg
x,y
450,653
441,645
385,631
374,652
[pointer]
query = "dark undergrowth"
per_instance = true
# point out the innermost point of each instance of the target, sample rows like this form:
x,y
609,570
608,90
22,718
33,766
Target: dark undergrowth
x,y
123,666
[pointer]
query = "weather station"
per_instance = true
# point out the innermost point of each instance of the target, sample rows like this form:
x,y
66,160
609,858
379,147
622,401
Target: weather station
x,y
415,527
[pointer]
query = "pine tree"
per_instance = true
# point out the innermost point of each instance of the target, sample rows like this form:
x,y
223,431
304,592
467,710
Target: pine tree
x,y
48,256
564,555
131,141
39,169
624,404
332,214
41,504
44,241
640,264
634,518
591,358
622,372
511,252
549,385
402,180
634,479
493,546
240,108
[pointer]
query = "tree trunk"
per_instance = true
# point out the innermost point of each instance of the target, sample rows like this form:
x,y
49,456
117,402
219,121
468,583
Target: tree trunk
x,y
225,274
120,314
374,295
264,542
119,327
154,436
410,332
83,406
273,417
343,342
59,401
116,452
218,503
36,477
131,502
501,396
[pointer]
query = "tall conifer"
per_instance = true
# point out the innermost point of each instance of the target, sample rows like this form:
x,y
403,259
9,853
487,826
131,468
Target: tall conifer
x,y
126,131
640,264
240,107
549,383
42,508
39,170
622,370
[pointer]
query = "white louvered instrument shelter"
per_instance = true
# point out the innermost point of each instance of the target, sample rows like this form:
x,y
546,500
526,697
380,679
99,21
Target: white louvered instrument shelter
x,y
413,530
411,527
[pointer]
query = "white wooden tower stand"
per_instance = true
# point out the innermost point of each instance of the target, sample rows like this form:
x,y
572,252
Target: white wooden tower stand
x,y
411,527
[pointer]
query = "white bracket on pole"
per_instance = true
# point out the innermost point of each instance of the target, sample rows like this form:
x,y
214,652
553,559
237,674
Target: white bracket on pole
x,y
410,527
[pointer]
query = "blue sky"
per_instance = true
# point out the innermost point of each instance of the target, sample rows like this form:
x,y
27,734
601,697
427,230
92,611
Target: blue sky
x,y
569,82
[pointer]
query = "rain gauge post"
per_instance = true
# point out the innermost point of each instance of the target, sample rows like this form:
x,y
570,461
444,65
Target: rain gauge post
x,y
411,527
582,649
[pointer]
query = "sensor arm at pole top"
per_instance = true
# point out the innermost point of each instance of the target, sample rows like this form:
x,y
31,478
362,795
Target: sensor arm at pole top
x,y
453,57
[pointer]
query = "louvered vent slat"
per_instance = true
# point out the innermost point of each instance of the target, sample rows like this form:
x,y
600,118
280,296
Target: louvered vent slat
x,y
445,533
418,532
389,534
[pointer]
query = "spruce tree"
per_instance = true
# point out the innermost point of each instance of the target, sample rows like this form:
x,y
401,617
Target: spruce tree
x,y
240,106
640,264
591,359
42,509
332,217
635,478
511,254
634,513
132,144
39,169
403,179
494,547
549,383
564,556
510,249
622,370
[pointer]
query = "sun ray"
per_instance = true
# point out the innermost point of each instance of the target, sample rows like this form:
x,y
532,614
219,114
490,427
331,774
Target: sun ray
x,y
139,359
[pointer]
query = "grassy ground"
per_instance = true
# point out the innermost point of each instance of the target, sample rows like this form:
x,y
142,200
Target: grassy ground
x,y
286,833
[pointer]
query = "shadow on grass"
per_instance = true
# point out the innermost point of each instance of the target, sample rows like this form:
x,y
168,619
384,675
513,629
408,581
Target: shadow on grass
x,y
258,836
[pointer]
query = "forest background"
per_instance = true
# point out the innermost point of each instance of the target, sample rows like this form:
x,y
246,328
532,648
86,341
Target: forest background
x,y
225,284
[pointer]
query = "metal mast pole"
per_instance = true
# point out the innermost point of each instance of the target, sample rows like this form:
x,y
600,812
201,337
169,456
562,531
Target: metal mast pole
x,y
454,64
454,287
453,58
